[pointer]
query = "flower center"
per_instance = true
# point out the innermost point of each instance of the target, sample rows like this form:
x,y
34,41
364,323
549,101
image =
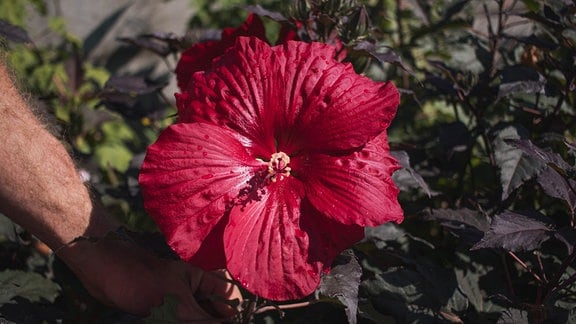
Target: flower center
x,y
278,167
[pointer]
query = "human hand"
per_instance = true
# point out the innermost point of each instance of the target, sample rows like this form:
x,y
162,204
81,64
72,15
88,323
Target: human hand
x,y
125,276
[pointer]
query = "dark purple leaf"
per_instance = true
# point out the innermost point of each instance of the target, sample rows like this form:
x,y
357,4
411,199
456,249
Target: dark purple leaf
x,y
515,166
383,233
544,155
148,43
454,137
404,161
131,85
537,41
131,96
442,85
567,235
454,9
258,10
465,223
13,33
571,147
173,41
550,14
555,185
74,71
514,231
343,282
99,33
387,57
462,216
513,315
520,79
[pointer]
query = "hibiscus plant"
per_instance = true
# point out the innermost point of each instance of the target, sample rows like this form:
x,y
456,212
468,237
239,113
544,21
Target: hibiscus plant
x,y
345,161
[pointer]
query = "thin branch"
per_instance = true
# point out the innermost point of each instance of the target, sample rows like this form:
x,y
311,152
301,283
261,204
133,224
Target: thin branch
x,y
283,307
526,267
508,276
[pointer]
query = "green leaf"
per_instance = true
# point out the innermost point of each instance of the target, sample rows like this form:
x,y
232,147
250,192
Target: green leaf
x,y
113,155
532,5
8,230
515,166
28,285
165,313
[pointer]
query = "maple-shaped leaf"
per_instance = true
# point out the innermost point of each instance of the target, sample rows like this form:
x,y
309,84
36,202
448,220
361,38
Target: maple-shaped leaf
x,y
514,231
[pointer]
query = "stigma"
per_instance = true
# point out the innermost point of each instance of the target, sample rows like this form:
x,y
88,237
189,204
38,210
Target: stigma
x,y
278,168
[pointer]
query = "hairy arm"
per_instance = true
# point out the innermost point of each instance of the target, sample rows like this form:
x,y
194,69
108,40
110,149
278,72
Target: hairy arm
x,y
41,191
39,187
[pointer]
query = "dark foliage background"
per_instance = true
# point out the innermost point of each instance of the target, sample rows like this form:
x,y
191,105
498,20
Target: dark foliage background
x,y
485,134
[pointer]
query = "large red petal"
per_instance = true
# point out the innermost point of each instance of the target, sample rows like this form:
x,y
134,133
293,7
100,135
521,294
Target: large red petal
x,y
353,189
199,57
297,97
234,95
266,250
189,179
328,238
345,110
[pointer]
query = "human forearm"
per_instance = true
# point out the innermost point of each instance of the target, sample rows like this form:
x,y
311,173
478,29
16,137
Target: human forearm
x,y
39,186
40,190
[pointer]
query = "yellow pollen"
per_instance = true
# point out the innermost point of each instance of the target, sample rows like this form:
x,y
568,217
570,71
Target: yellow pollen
x,y
278,167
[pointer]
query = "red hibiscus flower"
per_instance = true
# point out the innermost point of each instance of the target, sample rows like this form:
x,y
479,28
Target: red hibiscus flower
x,y
277,162
199,57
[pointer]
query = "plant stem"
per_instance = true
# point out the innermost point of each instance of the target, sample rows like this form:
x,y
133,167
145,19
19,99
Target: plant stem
x,y
526,267
283,307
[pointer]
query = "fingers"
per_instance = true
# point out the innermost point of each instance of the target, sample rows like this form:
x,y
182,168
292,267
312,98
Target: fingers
x,y
218,294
